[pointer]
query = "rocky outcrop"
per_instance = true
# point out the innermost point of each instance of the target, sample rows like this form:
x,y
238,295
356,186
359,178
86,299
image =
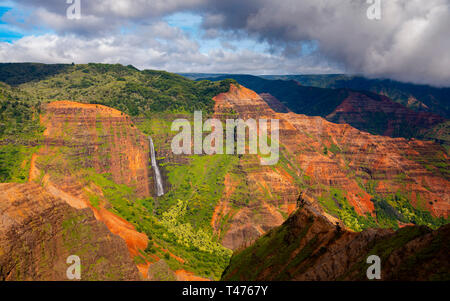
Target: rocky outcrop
x,y
271,191
39,231
87,148
309,247
366,111
160,271
97,137
316,155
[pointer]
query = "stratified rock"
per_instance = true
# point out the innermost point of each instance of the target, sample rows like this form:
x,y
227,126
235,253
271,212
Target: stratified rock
x,y
380,115
97,137
309,247
82,140
274,103
39,231
316,155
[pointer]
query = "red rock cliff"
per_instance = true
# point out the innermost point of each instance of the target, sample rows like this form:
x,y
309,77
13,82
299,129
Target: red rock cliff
x,y
356,158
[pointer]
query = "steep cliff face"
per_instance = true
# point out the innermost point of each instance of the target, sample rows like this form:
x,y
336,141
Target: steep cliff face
x,y
274,103
309,247
379,114
96,160
271,192
343,169
390,164
39,231
93,157
97,137
370,112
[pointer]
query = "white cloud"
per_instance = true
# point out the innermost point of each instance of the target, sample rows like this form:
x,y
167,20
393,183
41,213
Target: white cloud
x,y
409,43
158,46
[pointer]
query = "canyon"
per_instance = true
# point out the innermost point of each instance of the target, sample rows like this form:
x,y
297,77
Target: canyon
x,y
114,177
375,113
360,159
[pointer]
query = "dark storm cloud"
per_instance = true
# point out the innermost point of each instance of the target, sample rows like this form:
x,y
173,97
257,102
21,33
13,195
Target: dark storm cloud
x,y
409,43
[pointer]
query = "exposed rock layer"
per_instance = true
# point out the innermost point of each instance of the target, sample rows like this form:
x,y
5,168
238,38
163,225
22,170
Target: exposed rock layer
x,y
382,115
80,138
309,247
320,154
101,138
39,231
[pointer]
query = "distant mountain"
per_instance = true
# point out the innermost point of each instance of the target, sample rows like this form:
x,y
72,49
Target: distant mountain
x,y
364,110
417,97
310,101
195,76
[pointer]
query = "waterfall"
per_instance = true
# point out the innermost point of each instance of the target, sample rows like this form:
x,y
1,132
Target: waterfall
x,y
158,179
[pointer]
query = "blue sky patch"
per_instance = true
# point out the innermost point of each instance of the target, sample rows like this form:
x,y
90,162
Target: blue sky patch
x,y
7,33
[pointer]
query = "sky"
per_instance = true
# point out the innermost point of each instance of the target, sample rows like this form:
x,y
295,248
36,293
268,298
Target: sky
x,y
408,41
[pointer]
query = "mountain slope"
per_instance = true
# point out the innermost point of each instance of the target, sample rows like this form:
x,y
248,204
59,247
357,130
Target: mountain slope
x,y
417,97
309,247
365,111
362,179
94,156
125,88
40,231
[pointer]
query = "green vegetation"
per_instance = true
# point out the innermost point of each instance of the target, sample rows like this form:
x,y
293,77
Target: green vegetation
x,y
171,230
15,162
20,132
179,222
137,93
394,208
335,149
127,89
335,203
18,73
389,211
186,235
440,133
201,183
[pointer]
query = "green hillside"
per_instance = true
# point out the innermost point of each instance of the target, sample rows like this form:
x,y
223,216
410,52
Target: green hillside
x,y
152,98
124,88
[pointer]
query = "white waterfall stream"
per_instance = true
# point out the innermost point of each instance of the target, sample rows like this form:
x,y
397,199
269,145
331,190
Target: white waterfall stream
x,y
158,178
